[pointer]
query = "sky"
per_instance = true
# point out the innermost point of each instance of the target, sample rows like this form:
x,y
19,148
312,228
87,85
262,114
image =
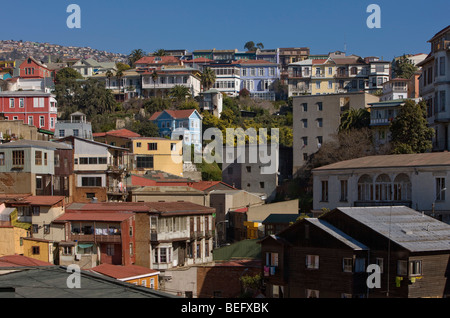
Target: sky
x,y
323,26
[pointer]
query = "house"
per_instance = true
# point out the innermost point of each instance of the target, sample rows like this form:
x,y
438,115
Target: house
x,y
156,235
160,80
32,107
124,86
435,88
258,77
303,260
11,231
116,137
32,68
39,249
394,89
98,168
157,61
76,126
211,101
414,180
291,55
381,115
133,274
93,236
36,167
11,130
177,124
317,119
276,223
89,67
228,77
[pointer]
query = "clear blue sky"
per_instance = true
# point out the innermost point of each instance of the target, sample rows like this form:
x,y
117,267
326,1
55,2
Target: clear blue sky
x,y
324,26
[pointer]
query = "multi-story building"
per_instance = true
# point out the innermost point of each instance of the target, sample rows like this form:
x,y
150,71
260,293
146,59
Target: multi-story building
x,y
291,55
99,170
32,68
35,108
414,180
228,77
329,256
317,119
89,67
435,87
76,126
167,78
29,166
258,77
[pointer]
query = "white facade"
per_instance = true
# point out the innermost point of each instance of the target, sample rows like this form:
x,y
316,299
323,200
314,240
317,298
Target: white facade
x,y
417,181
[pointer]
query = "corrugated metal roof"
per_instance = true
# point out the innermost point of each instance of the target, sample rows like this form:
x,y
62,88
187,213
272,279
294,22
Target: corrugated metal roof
x,y
338,234
406,227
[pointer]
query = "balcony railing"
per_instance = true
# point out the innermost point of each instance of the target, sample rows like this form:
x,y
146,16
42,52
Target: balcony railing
x,y
115,238
380,121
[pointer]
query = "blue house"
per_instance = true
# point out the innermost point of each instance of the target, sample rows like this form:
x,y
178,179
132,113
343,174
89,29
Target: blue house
x,y
176,123
258,77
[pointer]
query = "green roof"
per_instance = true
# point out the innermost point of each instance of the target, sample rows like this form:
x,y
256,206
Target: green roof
x,y
246,249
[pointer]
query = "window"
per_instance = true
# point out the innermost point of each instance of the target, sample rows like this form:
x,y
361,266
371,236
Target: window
x,y
347,265
11,102
312,261
261,185
305,141
330,84
360,265
319,122
271,259
324,197
131,248
305,123
39,183
319,106
46,228
402,268
67,250
173,147
442,66
344,191
440,186
36,211
138,145
18,157
312,293
442,101
317,85
305,107
144,162
35,250
152,146
249,168
76,132
2,158
45,158
41,121
415,268
61,133
34,228
21,103
30,121
91,181
365,188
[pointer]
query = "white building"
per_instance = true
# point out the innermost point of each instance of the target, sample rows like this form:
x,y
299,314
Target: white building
x,y
418,181
434,86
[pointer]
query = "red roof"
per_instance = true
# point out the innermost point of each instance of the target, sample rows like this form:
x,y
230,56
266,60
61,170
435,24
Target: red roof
x,y
117,133
183,113
20,260
319,61
241,210
123,272
47,200
163,60
94,216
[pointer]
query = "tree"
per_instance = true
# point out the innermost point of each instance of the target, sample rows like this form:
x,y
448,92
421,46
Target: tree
x,y
403,67
160,52
250,46
66,74
154,78
244,93
355,119
135,55
208,78
179,92
409,129
119,75
122,66
260,45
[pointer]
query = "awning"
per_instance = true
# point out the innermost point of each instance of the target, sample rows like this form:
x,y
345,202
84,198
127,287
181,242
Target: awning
x,y
86,245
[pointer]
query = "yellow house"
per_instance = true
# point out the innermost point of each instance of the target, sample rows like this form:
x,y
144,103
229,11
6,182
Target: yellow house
x,y
12,231
156,153
133,274
38,249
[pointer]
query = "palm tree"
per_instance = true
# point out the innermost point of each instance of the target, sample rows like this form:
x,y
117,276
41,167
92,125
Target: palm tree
x,y
135,55
154,78
354,119
180,92
208,78
160,52
109,74
119,75
260,45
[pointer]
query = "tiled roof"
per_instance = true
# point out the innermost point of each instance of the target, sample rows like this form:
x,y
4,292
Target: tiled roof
x,y
93,216
392,161
47,200
20,260
123,272
153,60
177,114
118,133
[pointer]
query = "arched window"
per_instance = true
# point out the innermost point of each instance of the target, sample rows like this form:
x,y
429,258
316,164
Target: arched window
x,y
383,188
402,188
365,188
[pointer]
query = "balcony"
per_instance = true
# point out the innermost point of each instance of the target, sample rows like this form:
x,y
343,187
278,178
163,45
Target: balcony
x,y
114,238
380,121
341,75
